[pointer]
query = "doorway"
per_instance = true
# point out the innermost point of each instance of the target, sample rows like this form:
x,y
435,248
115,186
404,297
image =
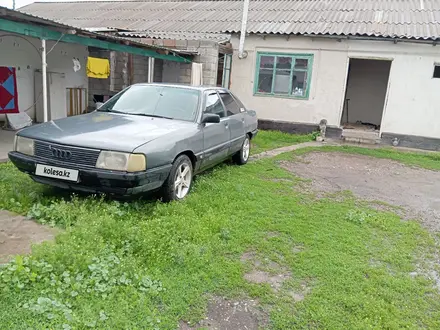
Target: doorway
x,y
56,96
365,94
224,70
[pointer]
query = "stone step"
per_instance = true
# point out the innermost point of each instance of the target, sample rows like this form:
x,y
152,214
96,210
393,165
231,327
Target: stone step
x,y
361,140
360,134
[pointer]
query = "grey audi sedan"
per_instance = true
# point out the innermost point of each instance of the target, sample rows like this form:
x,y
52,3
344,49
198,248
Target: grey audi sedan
x,y
147,137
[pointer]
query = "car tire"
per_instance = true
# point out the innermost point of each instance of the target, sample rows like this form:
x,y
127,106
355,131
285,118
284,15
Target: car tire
x,y
179,181
242,156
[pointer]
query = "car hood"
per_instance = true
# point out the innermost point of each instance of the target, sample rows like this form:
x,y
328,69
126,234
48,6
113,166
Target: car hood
x,y
104,130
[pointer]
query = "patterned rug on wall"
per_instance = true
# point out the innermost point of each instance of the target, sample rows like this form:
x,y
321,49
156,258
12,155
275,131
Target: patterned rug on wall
x,y
8,90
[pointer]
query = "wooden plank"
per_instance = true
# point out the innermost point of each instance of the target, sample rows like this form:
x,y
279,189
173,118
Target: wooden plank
x,y
70,101
80,101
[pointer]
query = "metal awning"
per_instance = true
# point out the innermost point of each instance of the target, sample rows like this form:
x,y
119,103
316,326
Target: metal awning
x,y
32,26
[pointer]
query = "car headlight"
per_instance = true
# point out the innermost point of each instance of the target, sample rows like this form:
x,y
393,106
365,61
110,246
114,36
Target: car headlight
x,y
24,145
120,161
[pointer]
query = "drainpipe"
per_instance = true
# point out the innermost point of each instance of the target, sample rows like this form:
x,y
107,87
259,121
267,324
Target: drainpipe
x,y
241,52
44,74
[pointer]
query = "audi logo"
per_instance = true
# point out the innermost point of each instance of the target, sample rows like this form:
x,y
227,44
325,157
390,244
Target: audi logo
x,y
60,153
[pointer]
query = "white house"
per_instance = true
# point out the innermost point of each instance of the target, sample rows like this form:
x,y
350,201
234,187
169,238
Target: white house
x,y
393,86
371,69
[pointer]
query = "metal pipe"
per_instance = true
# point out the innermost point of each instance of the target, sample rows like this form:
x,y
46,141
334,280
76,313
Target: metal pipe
x,y
151,69
241,52
44,75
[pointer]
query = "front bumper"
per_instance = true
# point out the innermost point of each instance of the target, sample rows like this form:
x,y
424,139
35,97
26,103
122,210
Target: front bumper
x,y
94,180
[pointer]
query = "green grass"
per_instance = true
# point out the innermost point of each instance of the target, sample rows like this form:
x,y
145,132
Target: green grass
x,y
267,140
428,160
147,265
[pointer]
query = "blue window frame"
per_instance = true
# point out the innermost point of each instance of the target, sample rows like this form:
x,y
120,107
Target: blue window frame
x,y
283,75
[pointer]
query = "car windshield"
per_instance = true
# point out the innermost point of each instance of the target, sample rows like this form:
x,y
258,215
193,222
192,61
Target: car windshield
x,y
155,101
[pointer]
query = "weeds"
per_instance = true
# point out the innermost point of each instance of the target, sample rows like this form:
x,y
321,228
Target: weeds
x,y
147,265
59,287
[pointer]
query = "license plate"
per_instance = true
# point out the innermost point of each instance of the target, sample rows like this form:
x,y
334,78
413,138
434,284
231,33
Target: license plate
x,y
57,172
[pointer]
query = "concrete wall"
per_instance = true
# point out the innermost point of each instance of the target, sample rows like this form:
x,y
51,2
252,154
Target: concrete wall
x,y
327,81
413,95
366,91
139,69
22,53
207,55
175,72
170,73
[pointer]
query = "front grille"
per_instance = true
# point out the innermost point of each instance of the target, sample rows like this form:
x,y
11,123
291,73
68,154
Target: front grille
x,y
80,156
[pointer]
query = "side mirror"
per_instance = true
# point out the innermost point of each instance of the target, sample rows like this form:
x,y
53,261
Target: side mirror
x,y
210,118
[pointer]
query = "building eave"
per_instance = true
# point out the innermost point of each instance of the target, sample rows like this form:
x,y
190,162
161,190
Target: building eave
x,y
24,24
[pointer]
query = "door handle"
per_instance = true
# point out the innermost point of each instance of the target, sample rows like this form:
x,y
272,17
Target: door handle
x,y
226,124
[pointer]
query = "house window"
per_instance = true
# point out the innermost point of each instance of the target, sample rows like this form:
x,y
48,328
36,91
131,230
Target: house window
x,y
226,79
283,75
436,71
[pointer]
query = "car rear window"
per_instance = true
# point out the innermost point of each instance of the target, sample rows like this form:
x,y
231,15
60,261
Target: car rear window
x,y
165,101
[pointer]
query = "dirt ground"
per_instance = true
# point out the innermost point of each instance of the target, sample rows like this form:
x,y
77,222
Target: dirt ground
x,y
415,190
225,314
17,234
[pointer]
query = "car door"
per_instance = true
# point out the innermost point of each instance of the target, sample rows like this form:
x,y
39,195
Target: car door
x,y
215,135
236,121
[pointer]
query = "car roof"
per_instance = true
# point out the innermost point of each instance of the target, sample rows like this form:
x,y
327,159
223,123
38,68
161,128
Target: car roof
x,y
199,88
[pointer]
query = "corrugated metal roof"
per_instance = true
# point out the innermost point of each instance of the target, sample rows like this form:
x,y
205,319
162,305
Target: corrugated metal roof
x,y
418,19
217,37
6,13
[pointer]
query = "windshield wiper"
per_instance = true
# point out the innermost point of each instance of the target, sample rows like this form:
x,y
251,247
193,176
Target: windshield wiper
x,y
135,113
150,115
115,111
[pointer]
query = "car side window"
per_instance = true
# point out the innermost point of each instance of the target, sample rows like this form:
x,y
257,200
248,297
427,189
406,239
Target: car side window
x,y
232,108
214,105
240,104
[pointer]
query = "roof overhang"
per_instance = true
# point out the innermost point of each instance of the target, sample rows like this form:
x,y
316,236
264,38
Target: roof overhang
x,y
16,22
395,39
200,36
